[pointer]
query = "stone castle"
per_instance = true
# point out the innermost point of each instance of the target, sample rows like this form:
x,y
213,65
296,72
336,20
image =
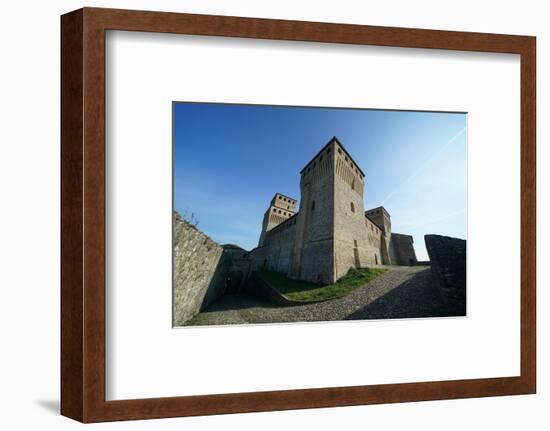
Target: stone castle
x,y
331,232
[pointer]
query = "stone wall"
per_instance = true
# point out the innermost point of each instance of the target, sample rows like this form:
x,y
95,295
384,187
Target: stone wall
x,y
448,263
402,250
239,268
201,269
276,253
352,247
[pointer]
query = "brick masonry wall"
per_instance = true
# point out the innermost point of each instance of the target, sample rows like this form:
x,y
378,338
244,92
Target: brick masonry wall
x,y
448,263
352,244
276,253
312,253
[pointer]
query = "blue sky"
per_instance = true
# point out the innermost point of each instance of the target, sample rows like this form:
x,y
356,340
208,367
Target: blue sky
x,y
229,161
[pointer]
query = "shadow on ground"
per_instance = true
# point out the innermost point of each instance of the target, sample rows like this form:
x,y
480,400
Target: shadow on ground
x,y
51,406
416,297
239,301
402,292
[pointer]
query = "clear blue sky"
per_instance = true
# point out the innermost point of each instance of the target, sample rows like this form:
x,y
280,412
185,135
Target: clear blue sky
x,y
229,161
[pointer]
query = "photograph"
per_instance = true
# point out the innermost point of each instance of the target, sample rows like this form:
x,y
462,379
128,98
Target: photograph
x,y
307,214
259,216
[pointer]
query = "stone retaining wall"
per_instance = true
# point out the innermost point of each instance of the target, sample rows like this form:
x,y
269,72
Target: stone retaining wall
x,y
448,263
201,269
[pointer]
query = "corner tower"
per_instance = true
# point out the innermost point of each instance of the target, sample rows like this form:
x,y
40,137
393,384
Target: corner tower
x,y
332,233
312,255
280,209
352,246
382,219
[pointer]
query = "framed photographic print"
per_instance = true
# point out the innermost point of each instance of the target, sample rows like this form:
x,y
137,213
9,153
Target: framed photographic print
x,y
266,215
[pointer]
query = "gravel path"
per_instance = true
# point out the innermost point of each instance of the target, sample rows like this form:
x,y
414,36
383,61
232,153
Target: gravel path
x,y
402,292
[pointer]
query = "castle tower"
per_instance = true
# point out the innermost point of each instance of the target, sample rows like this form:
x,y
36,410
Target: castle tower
x,y
313,246
352,245
382,219
332,232
280,209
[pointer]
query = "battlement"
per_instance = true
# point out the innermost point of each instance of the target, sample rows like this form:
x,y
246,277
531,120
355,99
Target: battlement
x,y
283,202
280,209
377,212
336,145
279,213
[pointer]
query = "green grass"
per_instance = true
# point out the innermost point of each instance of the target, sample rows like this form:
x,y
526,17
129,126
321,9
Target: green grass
x,y
306,291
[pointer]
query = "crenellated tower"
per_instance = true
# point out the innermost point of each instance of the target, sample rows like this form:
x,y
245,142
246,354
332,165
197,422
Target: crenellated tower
x,y
313,246
353,247
382,219
280,209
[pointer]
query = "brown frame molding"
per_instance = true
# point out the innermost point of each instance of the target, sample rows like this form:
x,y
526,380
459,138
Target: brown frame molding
x,y
83,214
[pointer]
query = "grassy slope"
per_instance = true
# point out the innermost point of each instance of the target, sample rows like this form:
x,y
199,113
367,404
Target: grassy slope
x,y
305,291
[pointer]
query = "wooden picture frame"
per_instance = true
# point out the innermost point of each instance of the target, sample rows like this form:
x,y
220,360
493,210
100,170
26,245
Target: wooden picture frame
x,y
83,214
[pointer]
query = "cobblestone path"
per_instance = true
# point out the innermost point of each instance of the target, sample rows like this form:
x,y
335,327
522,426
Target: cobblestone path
x,y
402,292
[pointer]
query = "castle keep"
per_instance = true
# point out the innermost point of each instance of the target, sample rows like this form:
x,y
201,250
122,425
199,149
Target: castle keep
x,y
331,232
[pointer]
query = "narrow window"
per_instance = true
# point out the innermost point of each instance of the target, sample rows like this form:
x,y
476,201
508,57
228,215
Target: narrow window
x,y
352,207
353,184
355,243
312,205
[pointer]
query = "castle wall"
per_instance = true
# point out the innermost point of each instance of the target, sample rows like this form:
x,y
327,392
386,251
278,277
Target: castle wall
x,y
200,271
273,217
402,250
276,253
375,243
448,263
